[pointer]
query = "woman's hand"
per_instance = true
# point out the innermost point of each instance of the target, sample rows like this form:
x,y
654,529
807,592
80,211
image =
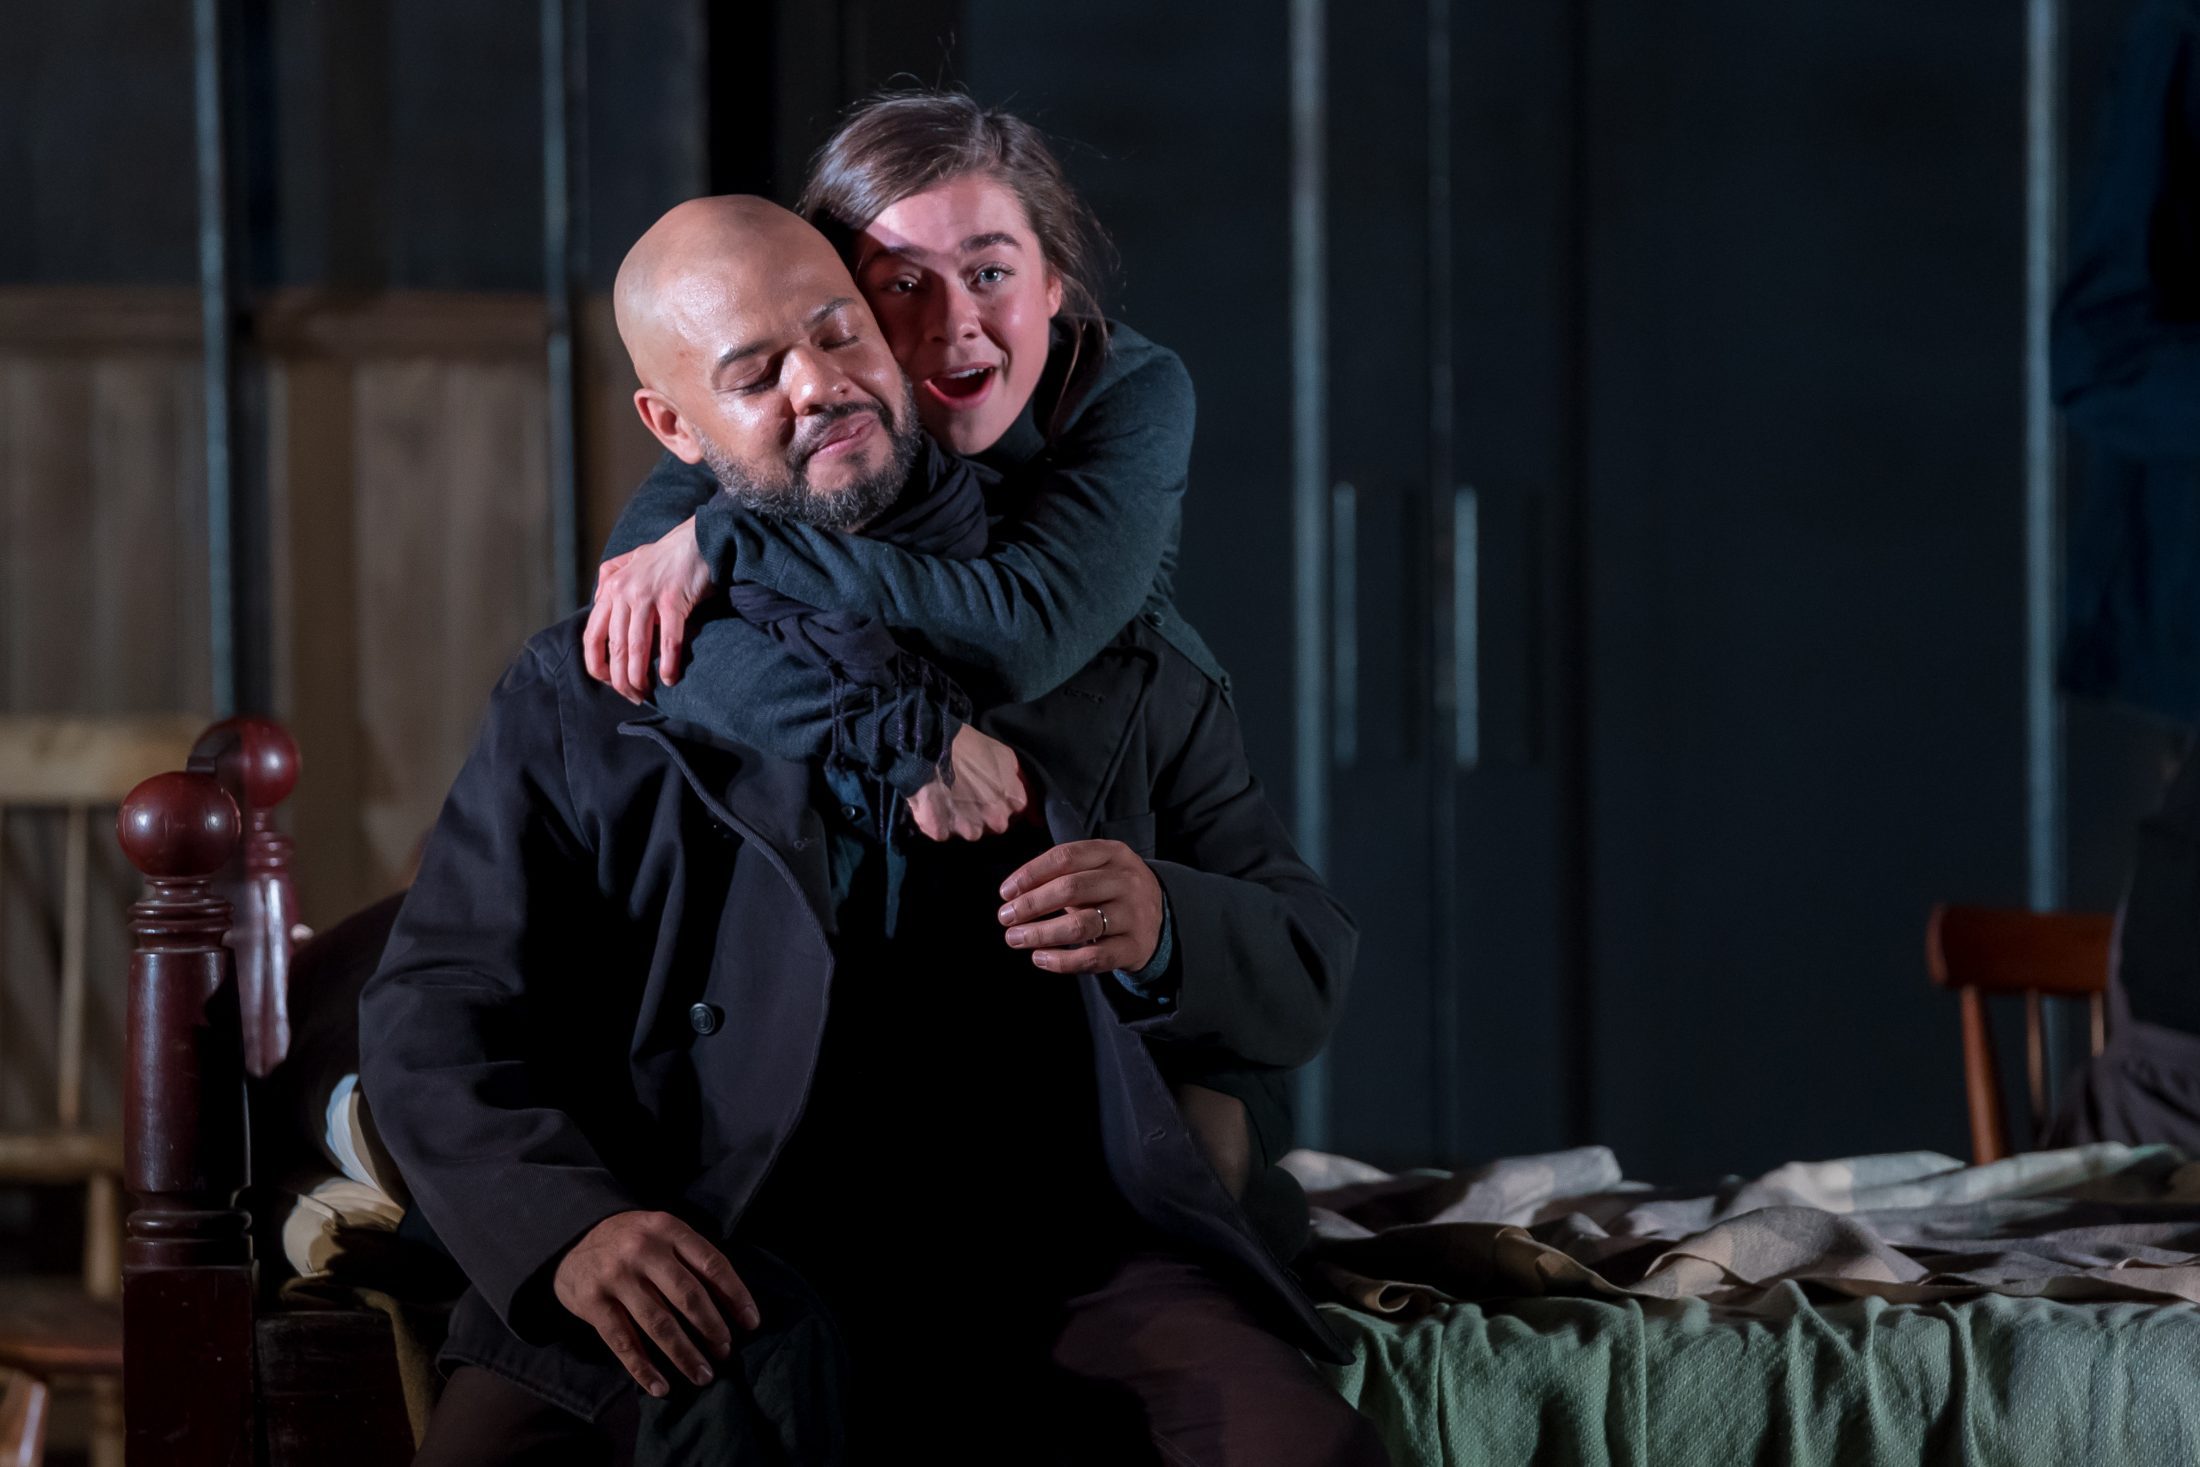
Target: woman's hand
x,y
988,791
649,590
1108,903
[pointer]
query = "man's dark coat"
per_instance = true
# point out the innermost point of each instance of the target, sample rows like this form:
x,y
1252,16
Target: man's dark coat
x,y
607,988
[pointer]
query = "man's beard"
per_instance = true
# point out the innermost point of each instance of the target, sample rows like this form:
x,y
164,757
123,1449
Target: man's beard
x,y
794,497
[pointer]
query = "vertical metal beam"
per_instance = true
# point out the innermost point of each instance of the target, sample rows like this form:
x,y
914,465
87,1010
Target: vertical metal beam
x,y
217,323
1310,475
564,179
1571,626
2043,716
1446,1088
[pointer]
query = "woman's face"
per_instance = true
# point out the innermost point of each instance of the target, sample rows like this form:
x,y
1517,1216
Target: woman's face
x,y
964,296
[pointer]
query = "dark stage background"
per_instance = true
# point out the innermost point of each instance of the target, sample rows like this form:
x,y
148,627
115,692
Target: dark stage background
x,y
1667,653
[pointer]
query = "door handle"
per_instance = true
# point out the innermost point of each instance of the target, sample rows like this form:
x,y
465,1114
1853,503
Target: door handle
x,y
1466,627
1344,624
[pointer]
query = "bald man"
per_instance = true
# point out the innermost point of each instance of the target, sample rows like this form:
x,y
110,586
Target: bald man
x,y
749,1115
709,302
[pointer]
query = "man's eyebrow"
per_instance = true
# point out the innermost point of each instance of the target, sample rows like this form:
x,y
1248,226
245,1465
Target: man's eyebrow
x,y
734,354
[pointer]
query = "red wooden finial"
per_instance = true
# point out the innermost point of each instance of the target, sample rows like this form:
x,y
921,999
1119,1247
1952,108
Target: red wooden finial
x,y
266,755
179,827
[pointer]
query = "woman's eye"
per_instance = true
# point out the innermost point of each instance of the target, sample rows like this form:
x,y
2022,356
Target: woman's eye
x,y
900,287
991,274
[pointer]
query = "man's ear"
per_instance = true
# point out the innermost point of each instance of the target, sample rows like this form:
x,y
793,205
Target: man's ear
x,y
665,424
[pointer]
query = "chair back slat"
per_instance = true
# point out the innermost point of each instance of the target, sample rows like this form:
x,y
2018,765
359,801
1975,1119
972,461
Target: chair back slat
x,y
3,926
1982,1082
55,762
1979,951
71,766
2062,954
2035,1058
76,863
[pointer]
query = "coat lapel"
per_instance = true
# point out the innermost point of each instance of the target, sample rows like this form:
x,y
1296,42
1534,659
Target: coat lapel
x,y
760,798
1074,738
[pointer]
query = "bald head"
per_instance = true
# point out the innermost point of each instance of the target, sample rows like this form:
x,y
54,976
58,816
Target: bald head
x,y
757,355
695,270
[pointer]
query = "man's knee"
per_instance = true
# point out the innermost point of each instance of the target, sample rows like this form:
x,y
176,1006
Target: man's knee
x,y
1216,1385
484,1420
1281,1416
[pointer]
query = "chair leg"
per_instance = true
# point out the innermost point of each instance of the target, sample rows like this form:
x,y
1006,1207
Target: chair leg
x,y
106,1422
23,1422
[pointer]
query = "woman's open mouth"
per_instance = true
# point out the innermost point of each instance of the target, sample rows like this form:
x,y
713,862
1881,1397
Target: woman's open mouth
x,y
964,387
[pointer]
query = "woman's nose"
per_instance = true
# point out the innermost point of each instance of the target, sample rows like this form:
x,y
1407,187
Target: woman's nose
x,y
956,319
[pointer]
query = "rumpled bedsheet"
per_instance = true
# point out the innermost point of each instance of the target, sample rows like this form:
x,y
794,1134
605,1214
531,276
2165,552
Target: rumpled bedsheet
x,y
2105,1221
1882,1309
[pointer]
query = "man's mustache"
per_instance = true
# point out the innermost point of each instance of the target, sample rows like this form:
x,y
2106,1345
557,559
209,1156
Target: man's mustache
x,y
815,426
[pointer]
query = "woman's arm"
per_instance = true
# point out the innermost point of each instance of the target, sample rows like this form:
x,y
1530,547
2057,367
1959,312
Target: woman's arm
x,y
750,686
746,684
2126,345
1060,579
753,688
639,596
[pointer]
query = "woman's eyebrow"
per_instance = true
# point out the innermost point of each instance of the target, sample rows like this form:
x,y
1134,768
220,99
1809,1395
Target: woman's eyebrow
x,y
969,246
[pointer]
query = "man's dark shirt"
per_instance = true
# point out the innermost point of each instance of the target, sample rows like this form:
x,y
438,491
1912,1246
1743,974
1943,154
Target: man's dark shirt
x,y
867,1200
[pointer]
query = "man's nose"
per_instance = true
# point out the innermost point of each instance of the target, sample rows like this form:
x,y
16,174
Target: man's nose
x,y
815,380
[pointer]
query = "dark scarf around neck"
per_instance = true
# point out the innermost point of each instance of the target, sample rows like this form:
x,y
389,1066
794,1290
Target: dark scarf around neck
x,y
941,512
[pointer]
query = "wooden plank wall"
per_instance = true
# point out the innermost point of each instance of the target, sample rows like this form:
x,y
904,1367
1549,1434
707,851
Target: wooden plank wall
x,y
409,502
410,535
102,611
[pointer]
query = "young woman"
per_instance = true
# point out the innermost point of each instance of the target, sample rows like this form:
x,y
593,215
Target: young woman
x,y
980,264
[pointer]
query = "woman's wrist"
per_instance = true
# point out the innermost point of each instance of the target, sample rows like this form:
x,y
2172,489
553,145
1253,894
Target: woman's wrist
x,y
715,540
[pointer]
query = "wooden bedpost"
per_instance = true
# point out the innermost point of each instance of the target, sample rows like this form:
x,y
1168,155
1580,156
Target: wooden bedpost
x,y
187,1278
256,761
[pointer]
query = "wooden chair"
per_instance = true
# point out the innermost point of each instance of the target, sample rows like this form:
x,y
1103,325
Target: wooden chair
x,y
1979,951
71,767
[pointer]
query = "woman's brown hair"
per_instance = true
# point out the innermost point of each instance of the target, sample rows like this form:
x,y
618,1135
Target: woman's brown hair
x,y
902,143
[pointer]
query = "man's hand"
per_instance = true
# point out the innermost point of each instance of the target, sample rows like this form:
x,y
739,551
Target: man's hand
x,y
644,1273
650,589
1080,882
988,792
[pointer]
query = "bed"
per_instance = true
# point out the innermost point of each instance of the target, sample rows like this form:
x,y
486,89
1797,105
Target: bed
x,y
1891,1309
1894,1309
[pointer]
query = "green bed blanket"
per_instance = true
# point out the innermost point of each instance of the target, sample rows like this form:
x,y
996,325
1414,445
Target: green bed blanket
x,y
1900,1308
1856,1382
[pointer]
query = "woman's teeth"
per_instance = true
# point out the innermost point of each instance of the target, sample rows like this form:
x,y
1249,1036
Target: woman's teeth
x,y
968,382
